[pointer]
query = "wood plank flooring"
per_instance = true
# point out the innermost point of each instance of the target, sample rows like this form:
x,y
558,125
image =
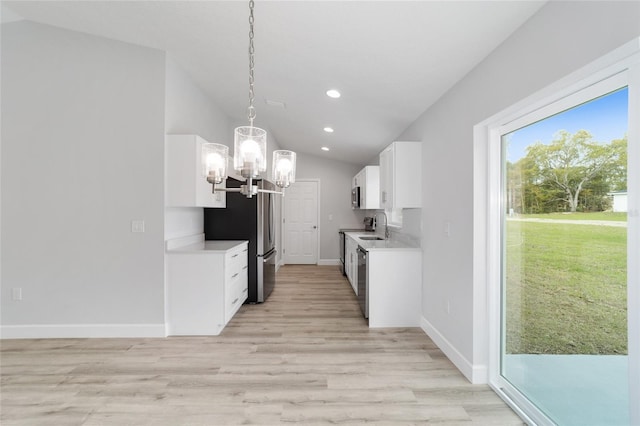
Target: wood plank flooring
x,y
305,356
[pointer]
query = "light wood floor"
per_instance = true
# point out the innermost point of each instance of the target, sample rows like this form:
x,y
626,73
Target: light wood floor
x,y
305,356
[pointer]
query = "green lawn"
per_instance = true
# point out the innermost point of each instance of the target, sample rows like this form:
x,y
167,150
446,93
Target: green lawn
x,y
566,288
618,217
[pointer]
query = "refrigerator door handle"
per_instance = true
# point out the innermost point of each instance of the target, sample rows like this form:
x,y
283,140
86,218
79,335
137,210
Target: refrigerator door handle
x,y
268,256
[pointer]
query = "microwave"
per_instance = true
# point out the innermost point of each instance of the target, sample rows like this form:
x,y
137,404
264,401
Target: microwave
x,y
355,197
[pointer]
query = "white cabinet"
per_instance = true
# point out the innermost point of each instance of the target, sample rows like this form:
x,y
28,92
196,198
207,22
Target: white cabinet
x,y
394,280
206,285
401,176
351,261
186,184
236,280
368,179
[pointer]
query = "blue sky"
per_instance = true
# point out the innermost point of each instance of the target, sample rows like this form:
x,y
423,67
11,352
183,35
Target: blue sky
x,y
605,118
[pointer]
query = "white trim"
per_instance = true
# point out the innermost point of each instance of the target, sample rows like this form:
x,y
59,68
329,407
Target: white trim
x,y
633,241
476,374
488,208
59,331
328,262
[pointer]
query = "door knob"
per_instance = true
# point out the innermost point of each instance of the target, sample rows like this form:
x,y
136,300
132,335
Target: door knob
x,y
314,227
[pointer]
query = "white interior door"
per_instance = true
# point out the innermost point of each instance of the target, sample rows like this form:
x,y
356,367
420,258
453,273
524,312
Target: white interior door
x,y
301,223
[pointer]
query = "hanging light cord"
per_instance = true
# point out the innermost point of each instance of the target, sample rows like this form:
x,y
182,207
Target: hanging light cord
x,y
251,110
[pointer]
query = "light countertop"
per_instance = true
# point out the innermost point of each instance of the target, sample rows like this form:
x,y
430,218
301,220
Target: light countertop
x,y
380,245
197,244
207,247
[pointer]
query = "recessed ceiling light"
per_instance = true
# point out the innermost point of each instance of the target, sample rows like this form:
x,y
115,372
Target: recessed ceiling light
x,y
333,93
328,129
325,148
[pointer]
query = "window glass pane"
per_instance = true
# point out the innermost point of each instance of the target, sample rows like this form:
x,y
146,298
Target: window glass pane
x,y
564,291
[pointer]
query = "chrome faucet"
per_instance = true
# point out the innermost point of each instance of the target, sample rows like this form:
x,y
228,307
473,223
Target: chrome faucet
x,y
386,225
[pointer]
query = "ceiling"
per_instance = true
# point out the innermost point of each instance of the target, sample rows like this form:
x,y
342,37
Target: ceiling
x,y
390,60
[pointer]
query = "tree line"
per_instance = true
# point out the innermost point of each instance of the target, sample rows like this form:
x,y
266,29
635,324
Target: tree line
x,y
572,173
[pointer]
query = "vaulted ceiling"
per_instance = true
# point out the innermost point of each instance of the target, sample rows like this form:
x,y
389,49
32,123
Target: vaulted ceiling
x,y
390,60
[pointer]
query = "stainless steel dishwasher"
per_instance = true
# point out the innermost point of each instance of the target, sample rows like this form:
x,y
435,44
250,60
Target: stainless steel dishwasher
x,y
363,287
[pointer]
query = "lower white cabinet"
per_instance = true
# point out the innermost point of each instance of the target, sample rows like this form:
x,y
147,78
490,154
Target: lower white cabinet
x,y
351,261
394,282
207,283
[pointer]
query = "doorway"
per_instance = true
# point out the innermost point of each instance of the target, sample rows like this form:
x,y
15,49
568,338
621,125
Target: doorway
x,y
301,223
562,276
564,259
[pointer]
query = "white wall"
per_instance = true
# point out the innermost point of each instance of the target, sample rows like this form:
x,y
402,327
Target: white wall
x,y
335,199
82,141
560,38
189,111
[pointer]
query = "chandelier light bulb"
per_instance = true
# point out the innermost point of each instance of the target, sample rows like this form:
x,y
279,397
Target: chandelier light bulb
x,y
214,162
250,150
284,168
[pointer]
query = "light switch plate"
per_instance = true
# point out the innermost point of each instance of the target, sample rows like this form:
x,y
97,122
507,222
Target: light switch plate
x,y
137,226
16,293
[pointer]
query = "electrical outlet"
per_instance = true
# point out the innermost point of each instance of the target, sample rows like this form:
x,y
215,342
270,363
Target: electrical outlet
x,y
137,226
330,217
16,293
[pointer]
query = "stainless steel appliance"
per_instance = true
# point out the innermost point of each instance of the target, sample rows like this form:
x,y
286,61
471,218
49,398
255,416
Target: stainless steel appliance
x,y
355,197
249,219
363,287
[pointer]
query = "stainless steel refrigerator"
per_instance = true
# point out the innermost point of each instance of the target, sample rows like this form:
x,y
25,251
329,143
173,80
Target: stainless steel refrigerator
x,y
249,219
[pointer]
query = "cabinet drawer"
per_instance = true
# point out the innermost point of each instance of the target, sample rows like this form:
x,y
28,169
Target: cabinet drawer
x,y
236,262
234,299
233,264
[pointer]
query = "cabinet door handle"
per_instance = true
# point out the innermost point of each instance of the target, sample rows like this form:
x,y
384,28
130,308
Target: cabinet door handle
x,y
235,275
245,267
235,255
235,301
245,290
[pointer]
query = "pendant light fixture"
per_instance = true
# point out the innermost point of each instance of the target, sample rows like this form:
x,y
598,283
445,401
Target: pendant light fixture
x,y
250,148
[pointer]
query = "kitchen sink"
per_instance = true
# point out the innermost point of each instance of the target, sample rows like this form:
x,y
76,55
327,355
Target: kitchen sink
x,y
371,238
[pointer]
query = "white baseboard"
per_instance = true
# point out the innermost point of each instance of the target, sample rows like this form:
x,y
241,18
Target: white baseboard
x,y
328,262
476,374
55,331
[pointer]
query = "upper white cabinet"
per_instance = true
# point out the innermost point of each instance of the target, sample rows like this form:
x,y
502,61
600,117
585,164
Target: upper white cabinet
x,y
401,176
186,185
368,179
369,182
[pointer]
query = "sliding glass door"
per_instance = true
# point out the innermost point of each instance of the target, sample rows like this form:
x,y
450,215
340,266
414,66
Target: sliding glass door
x,y
564,257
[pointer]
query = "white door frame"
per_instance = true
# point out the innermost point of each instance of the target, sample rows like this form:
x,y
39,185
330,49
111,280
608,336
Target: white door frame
x,y
284,223
488,234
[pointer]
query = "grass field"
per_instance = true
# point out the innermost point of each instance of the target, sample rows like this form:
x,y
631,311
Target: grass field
x,y
566,288
618,217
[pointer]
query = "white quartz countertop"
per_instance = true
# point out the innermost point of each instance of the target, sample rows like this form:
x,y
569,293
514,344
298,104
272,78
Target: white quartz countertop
x,y
197,244
380,245
207,247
